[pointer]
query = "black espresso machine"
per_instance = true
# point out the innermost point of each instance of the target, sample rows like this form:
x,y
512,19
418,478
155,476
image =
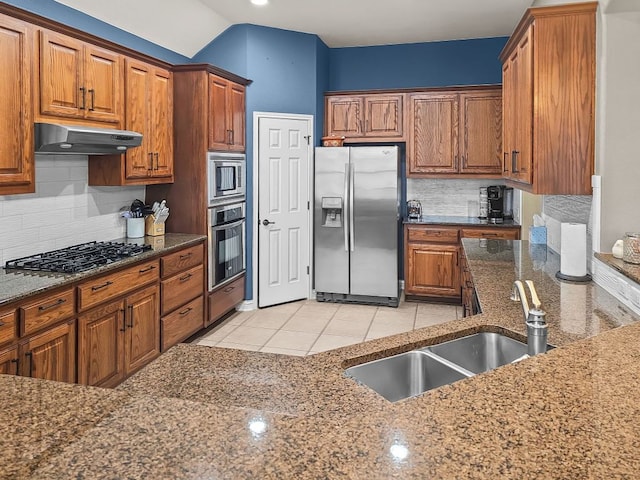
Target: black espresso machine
x,y
499,203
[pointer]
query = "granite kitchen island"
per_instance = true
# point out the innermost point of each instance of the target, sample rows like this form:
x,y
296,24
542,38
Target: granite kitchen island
x,y
206,412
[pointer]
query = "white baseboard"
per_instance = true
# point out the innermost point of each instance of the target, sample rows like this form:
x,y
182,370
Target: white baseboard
x,y
246,306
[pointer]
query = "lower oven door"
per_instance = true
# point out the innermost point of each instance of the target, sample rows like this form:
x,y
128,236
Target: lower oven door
x,y
226,252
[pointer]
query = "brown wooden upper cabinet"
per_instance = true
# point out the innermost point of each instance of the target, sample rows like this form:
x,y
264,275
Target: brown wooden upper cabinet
x,y
79,81
17,173
455,133
360,117
149,96
548,70
227,110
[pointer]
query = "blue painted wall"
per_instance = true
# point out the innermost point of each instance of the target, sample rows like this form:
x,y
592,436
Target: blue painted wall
x,y
433,64
74,18
289,71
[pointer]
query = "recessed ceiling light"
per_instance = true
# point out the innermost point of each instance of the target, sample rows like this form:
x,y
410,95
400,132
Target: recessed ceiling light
x,y
260,2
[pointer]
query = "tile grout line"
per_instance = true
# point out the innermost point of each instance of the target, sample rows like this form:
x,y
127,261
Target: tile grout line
x,y
322,331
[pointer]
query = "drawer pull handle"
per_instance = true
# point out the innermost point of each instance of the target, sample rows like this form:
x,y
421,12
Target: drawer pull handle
x,y
124,320
17,362
185,311
148,269
130,316
29,355
186,277
186,255
2,324
489,234
60,301
228,289
98,287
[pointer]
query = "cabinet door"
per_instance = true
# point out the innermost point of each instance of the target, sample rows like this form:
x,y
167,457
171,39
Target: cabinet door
x,y
138,163
523,153
62,90
237,117
481,132
103,81
433,270
142,328
383,116
101,345
51,355
433,137
16,108
344,116
219,128
9,361
162,123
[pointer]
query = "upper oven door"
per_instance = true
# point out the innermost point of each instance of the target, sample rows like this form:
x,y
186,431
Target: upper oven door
x,y
226,177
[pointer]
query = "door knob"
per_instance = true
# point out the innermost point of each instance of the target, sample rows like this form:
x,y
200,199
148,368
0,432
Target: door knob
x,y
266,222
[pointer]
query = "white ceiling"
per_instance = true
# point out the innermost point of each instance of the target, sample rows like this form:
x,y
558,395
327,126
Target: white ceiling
x,y
186,26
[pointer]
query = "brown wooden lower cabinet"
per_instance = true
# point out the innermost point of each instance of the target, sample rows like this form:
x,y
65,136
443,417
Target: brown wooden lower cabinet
x,y
9,360
182,323
224,299
116,339
434,264
50,355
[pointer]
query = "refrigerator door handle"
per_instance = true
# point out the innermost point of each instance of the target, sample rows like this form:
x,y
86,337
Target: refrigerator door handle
x,y
344,212
352,233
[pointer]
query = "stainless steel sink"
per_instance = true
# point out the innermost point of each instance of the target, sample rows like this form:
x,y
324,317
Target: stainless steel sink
x,y
412,373
480,352
405,375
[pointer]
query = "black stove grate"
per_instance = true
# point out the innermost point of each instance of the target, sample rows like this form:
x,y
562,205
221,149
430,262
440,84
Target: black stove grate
x,y
78,258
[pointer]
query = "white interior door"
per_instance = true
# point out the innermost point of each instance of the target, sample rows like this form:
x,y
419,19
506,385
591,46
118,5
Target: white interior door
x,y
283,210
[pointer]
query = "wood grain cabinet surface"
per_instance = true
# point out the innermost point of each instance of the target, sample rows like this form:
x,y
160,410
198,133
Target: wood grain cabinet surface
x,y
548,70
17,158
433,264
79,81
365,117
455,133
51,354
227,110
149,98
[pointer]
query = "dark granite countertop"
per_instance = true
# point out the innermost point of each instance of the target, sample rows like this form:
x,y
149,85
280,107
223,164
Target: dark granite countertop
x,y
18,284
629,270
206,412
458,221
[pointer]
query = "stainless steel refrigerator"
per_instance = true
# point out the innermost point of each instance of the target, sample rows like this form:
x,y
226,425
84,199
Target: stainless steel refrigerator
x,y
356,221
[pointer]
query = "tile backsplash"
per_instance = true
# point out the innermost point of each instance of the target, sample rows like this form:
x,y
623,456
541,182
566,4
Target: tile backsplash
x,y
448,196
63,211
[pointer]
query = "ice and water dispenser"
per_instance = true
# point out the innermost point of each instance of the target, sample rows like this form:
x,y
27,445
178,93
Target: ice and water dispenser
x,y
332,212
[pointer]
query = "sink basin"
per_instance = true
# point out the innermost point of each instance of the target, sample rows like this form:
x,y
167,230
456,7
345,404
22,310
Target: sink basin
x,y
405,375
412,373
480,352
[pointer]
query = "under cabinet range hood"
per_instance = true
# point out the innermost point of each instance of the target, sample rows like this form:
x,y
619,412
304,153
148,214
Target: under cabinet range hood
x,y
77,139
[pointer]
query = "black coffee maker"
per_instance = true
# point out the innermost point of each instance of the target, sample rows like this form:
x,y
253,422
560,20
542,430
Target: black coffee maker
x,y
499,203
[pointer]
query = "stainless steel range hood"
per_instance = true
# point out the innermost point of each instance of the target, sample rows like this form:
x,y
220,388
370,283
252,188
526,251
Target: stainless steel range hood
x,y
73,139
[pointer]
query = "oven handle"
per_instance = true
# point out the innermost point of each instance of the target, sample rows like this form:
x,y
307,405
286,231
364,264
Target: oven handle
x,y
224,226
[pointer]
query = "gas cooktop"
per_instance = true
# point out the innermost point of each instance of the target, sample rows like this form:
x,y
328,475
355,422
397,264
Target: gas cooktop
x,y
78,258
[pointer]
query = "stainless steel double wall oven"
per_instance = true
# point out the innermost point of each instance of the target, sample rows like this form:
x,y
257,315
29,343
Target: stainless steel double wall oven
x,y
226,219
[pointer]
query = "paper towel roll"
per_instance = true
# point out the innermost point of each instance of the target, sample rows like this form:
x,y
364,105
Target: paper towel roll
x,y
573,249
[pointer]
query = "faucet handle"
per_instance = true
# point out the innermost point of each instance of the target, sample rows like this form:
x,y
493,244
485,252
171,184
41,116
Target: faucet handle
x,y
535,300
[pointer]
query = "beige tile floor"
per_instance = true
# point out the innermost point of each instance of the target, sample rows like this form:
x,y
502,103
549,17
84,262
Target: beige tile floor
x,y
306,327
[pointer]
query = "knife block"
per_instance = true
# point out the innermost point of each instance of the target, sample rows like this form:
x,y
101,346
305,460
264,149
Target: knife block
x,y
153,229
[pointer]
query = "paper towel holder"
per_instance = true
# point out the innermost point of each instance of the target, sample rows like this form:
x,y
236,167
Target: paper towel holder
x,y
573,279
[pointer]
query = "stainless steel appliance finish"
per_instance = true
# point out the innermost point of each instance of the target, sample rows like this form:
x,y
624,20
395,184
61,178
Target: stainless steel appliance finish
x,y
226,177
227,236
405,375
356,221
74,139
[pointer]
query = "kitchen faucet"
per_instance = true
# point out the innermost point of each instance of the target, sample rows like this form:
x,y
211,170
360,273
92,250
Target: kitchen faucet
x,y
533,317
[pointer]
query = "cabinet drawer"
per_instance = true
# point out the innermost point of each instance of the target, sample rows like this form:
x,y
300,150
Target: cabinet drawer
x,y
437,235
182,323
182,260
225,299
46,311
7,327
497,233
110,286
181,288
